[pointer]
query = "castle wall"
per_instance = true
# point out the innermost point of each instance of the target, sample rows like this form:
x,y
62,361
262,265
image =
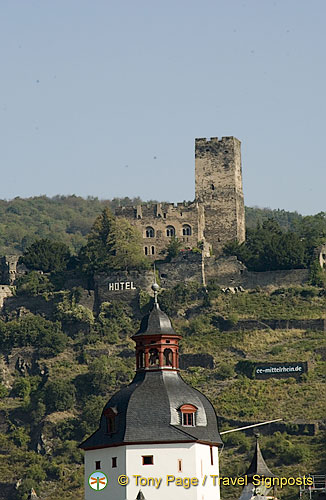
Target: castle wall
x,y
215,217
162,218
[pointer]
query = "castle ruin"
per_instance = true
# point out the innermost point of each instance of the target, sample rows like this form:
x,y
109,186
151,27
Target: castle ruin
x,y
215,217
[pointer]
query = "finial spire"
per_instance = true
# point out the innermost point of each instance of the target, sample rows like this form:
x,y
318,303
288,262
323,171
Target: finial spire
x,y
155,287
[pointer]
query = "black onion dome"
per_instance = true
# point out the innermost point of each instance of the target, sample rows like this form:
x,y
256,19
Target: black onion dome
x,y
148,412
155,322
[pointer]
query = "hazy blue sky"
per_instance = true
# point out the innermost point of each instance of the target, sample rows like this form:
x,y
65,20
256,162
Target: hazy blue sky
x,y
93,90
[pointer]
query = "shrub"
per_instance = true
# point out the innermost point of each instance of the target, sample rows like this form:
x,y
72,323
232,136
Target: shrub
x,y
33,284
59,395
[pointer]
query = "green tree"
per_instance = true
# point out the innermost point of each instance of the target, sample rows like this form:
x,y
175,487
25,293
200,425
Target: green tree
x,y
113,243
173,248
59,395
46,255
33,284
268,248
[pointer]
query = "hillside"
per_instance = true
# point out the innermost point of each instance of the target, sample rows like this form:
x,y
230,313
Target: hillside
x,y
60,369
69,219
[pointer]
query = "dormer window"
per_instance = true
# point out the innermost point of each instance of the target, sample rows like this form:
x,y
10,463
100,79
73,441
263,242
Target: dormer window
x,y
188,413
110,417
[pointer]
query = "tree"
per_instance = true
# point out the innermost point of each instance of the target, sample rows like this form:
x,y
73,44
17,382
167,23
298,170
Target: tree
x,y
46,255
59,395
33,284
113,244
173,248
268,248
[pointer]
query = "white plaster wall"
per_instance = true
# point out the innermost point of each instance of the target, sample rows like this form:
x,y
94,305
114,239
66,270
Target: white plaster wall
x,y
113,490
196,462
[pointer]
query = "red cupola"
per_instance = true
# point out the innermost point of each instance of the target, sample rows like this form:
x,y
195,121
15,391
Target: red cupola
x,y
157,344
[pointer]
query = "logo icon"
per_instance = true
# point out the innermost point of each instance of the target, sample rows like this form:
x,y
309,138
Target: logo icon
x,y
97,481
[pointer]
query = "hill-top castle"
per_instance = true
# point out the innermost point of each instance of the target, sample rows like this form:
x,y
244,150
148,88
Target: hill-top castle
x,y
215,217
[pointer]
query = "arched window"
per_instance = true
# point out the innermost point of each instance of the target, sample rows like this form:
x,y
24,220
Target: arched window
x,y
110,416
146,250
152,250
188,413
153,357
150,233
212,187
167,357
186,230
170,231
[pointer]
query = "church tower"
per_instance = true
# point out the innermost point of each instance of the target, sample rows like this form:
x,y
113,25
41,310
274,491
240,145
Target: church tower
x,y
157,427
258,469
218,179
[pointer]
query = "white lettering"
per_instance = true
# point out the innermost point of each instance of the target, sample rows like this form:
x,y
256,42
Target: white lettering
x,y
116,286
132,286
111,286
127,285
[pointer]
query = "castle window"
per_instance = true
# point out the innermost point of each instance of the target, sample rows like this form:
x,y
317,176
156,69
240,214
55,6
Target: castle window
x,y
186,230
152,250
148,460
110,416
114,462
212,187
164,215
167,357
170,231
153,357
146,250
97,464
150,232
188,415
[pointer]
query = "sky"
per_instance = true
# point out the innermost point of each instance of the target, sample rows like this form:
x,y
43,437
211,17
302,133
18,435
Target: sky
x,y
105,98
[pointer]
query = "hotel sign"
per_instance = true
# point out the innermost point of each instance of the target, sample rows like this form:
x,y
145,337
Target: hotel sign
x,y
280,370
121,285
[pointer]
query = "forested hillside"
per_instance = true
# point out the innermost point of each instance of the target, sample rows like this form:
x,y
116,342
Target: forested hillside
x,y
61,358
59,369
69,219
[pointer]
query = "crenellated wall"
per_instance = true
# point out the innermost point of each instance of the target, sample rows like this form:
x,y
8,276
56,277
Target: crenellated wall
x,y
215,217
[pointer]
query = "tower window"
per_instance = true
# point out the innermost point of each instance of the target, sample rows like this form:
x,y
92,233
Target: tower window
x,y
146,250
97,464
110,416
186,230
153,357
167,357
150,232
148,460
170,231
152,250
114,462
188,419
212,187
188,415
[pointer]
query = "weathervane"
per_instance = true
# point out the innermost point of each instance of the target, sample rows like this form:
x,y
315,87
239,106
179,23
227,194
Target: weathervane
x,y
155,286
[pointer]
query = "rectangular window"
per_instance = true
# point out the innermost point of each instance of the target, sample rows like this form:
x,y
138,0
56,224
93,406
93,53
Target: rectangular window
x,y
110,423
187,418
179,465
148,459
211,452
97,464
114,462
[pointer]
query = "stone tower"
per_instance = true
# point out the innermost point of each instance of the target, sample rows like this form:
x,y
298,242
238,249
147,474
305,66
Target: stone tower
x,y
218,179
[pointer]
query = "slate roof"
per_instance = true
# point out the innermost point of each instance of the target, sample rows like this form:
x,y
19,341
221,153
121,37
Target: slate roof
x,y
155,322
258,465
147,411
